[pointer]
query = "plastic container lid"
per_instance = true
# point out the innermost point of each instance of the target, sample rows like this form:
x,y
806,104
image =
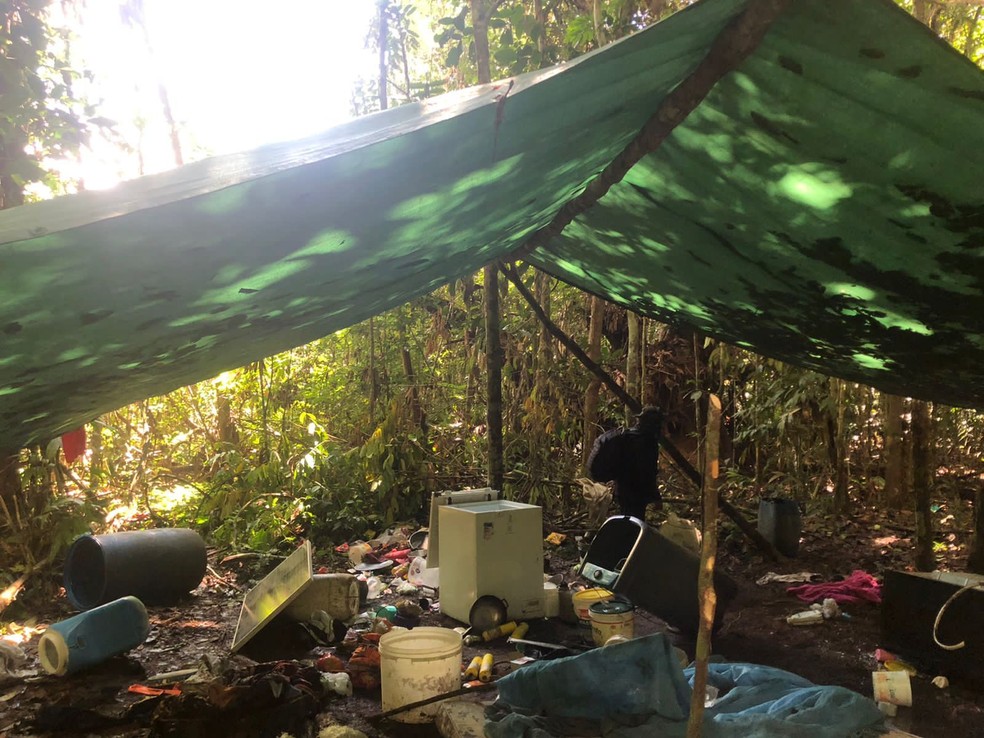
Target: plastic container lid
x,y
611,607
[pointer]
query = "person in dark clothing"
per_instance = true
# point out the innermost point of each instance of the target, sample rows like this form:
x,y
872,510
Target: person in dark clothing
x,y
630,458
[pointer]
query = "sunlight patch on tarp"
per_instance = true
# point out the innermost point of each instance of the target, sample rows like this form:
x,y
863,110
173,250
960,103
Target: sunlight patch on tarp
x,y
814,187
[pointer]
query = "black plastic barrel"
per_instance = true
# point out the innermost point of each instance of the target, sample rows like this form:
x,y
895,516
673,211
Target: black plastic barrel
x,y
155,566
779,523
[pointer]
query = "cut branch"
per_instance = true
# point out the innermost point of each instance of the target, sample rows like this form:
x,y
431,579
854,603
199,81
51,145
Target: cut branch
x,y
732,46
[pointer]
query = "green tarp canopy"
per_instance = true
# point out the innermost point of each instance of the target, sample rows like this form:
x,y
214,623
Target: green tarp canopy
x,y
822,204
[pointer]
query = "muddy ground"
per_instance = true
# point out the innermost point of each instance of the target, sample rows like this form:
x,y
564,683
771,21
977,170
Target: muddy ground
x,y
839,652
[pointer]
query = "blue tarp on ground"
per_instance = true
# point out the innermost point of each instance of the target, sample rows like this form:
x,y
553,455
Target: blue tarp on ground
x,y
637,690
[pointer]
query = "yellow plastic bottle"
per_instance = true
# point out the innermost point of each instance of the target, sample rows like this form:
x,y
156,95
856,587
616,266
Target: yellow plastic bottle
x,y
503,630
485,672
473,668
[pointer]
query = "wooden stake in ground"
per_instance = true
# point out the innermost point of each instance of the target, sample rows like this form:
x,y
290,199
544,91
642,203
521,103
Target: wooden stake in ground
x,y
707,597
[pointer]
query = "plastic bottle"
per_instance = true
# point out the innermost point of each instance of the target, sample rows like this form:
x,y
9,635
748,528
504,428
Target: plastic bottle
x,y
375,586
485,671
357,552
93,636
503,630
521,631
473,668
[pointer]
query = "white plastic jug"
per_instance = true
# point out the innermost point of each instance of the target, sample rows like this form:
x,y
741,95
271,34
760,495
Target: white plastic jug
x,y
420,576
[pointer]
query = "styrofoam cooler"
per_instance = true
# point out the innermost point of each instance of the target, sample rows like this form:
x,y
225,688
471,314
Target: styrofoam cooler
x,y
630,558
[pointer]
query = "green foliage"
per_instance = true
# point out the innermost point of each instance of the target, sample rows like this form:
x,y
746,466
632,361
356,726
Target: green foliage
x,y
40,523
41,117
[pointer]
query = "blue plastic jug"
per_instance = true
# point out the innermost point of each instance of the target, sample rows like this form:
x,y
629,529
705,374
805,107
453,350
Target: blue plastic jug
x,y
94,636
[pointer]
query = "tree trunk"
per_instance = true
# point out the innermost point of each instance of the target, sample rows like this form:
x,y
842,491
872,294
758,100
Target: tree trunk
x,y
594,386
839,449
975,562
541,17
705,579
922,478
493,353
544,342
921,10
480,26
894,495
599,28
632,362
383,36
417,414
970,47
493,323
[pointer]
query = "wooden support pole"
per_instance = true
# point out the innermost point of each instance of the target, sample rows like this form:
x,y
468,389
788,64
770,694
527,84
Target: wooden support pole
x,y
707,597
665,445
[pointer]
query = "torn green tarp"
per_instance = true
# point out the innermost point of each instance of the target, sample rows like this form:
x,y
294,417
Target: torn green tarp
x,y
822,206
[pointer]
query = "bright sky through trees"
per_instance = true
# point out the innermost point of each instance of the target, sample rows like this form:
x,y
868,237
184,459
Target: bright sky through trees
x,y
238,73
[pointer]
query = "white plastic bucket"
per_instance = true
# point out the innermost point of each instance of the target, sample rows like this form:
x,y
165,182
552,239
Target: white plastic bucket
x,y
418,664
612,618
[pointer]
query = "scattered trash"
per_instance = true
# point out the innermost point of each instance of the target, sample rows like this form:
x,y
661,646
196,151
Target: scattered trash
x,y
941,682
828,608
12,658
893,687
244,701
404,588
340,731
363,667
339,683
710,695
357,551
598,498
152,691
485,670
474,666
881,655
499,631
899,665
330,663
376,588
888,709
682,532
94,636
420,576
555,539
802,576
807,617
856,588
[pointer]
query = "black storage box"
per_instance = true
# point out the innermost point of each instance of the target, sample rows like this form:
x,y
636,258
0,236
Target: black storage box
x,y
630,558
910,604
